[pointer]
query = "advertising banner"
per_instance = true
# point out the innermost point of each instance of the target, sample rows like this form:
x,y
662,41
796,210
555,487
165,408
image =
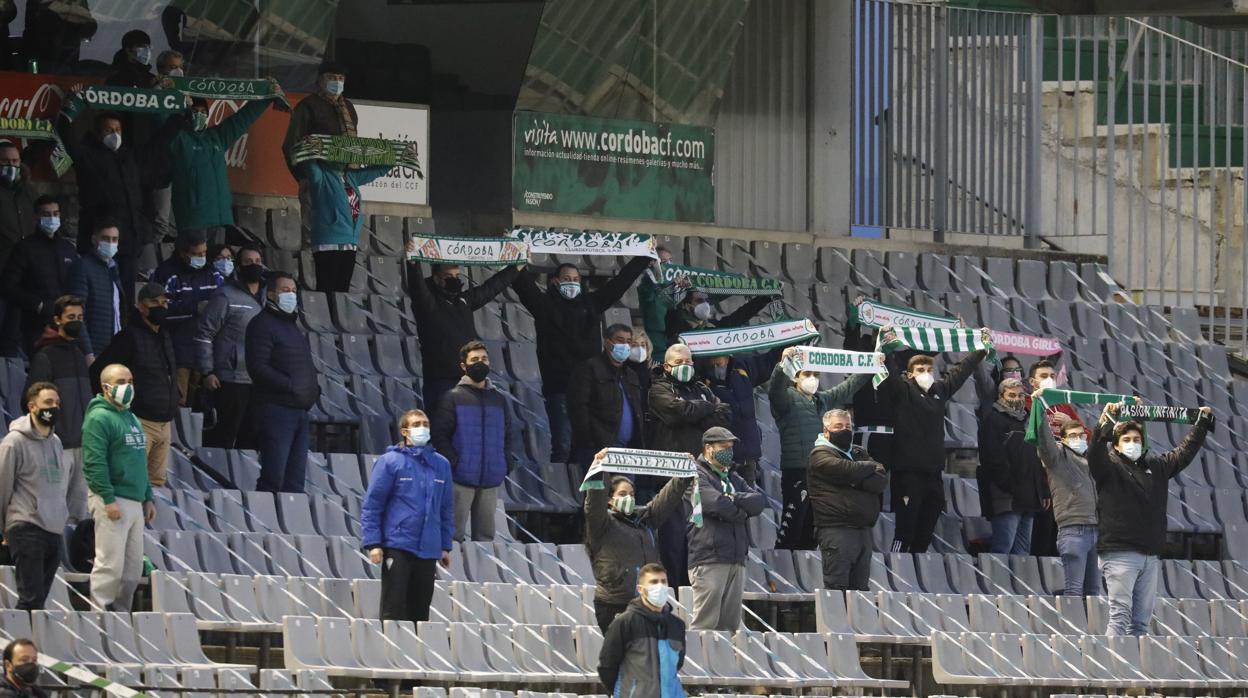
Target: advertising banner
x,y
611,167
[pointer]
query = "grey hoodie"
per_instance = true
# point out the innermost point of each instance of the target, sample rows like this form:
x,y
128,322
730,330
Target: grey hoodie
x,y
37,485
1070,481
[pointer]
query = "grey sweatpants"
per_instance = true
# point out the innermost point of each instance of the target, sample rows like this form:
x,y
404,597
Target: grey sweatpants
x,y
479,504
118,554
717,592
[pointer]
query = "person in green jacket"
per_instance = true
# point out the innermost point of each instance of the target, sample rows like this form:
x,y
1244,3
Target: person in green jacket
x,y
798,407
119,495
655,299
201,186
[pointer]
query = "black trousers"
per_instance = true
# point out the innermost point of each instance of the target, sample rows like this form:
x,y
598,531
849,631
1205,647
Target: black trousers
x,y
605,612
797,526
673,547
334,269
36,554
918,499
406,586
230,401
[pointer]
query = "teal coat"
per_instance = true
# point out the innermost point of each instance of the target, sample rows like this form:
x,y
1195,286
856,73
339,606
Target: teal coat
x,y
201,186
799,417
331,211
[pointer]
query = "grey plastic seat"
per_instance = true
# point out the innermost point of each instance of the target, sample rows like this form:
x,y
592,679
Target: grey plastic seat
x,y
207,603
168,592
568,606
337,598
798,262
757,660
146,630
1063,280
950,663
1180,579
897,617
501,600
934,273
238,594
833,266
283,556
184,638
781,572
1167,620
902,572
214,554
964,576
514,563
1123,655
534,605
335,639
1225,655
499,649
330,515
314,554
830,613
864,617
1032,279
542,657
1026,573
1016,617
1006,651
577,560
1047,616
345,469
368,641
249,554
1041,660
274,601
997,577
954,615
55,632
1052,575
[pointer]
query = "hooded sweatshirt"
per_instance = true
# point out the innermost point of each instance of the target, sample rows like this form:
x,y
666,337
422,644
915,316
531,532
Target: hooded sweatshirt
x,y
114,453
1070,481
642,651
37,485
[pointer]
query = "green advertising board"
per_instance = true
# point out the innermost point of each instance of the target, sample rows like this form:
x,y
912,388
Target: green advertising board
x,y
610,167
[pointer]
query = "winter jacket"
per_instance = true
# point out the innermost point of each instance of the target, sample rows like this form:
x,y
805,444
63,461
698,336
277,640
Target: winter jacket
x,y
642,651
1070,481
1010,476
727,504
334,220
8,690
655,302
678,413
472,429
1131,498
97,282
680,320
149,356
597,393
279,361
619,545
187,288
745,373
17,212
314,114
570,331
62,363
201,189
114,453
128,73
36,274
410,504
444,321
846,490
219,335
38,485
919,426
799,417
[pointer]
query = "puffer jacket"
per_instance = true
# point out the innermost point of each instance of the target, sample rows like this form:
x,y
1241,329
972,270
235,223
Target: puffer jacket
x,y
187,288
846,490
620,545
279,361
799,417
149,356
410,504
98,283
642,652
723,538
678,413
221,331
62,363
471,429
745,373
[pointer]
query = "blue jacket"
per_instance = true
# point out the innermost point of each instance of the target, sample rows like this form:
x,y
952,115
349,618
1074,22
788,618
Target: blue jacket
x,y
471,430
410,505
279,360
332,223
95,281
187,288
745,373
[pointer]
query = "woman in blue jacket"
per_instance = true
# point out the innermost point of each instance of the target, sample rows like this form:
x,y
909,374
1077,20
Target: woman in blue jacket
x,y
408,518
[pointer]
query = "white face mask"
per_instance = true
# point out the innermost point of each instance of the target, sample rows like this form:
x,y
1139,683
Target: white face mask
x,y
112,141
1048,383
924,380
1078,445
198,262
569,289
702,311
1132,451
657,595
176,73
637,354
418,436
808,385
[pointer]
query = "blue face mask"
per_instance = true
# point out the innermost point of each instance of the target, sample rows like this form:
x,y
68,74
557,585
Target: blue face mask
x,y
107,250
287,302
224,266
619,352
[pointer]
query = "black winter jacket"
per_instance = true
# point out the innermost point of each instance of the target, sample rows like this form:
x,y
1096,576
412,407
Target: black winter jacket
x,y
636,648
570,331
1131,497
17,212
745,373
723,537
445,322
1010,476
38,273
279,361
844,492
919,431
149,356
94,281
8,690
619,545
679,319
63,364
678,413
596,394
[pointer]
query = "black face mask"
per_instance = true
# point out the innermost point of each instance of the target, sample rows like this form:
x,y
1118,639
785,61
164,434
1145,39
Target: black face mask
x,y
452,284
157,314
48,415
251,274
72,329
477,372
28,674
842,439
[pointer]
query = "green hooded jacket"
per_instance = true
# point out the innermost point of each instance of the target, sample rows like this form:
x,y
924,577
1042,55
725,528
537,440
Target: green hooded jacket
x,y
114,453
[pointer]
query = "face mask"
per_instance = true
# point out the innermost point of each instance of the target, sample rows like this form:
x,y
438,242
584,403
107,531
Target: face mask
x,y
1015,404
808,385
1016,374
569,289
48,415
682,373
122,395
112,141
50,224
418,436
106,249
1048,384
157,314
72,329
175,73
199,120
333,88
287,302
251,273
224,267
656,594
197,262
8,173
842,439
637,354
702,310
1079,445
477,372
28,674
723,456
452,284
619,352
924,380
624,504
143,55
1132,451
720,372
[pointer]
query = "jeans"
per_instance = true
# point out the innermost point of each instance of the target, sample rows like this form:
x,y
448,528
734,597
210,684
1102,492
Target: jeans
x,y
36,554
1011,533
283,444
1131,584
560,427
1077,546
230,402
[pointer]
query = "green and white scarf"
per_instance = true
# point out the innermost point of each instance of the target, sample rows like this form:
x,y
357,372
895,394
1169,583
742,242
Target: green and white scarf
x,y
632,461
131,99
38,130
354,150
750,338
718,283
872,313
88,678
932,339
249,89
1160,413
1036,422
586,242
469,251
832,361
